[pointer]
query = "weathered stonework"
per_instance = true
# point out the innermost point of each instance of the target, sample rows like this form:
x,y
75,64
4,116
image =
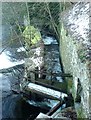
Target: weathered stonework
x,y
75,50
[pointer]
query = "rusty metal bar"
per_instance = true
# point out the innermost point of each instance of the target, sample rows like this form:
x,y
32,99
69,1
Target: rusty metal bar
x,y
55,108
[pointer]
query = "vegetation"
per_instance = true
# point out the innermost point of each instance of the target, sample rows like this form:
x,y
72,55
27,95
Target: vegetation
x,y
44,16
31,35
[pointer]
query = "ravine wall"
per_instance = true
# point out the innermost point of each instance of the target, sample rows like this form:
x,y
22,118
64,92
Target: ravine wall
x,y
75,49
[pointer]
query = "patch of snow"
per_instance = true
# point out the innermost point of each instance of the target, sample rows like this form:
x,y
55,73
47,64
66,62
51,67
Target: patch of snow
x,y
6,63
80,23
37,61
49,40
44,116
47,91
38,51
59,79
20,49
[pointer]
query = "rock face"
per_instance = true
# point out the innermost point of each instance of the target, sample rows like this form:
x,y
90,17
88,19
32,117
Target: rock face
x,y
75,47
67,113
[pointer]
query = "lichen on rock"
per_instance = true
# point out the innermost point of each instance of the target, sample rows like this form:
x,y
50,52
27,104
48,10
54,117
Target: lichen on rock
x,y
75,48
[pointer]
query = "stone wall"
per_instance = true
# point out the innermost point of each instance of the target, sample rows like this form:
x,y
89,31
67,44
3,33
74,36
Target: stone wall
x,y
76,60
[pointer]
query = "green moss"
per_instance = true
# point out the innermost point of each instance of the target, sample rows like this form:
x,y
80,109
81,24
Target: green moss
x,y
63,31
73,92
69,52
80,112
82,53
69,84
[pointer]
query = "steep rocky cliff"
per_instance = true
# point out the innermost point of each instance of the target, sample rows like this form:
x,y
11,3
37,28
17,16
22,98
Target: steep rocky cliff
x,y
75,50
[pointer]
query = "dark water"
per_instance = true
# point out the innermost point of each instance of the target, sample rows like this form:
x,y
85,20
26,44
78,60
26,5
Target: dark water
x,y
13,105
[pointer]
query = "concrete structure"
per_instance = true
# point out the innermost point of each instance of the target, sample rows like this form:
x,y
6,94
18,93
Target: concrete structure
x,y
75,52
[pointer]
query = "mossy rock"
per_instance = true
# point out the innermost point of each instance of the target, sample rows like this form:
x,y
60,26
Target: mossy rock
x,y
80,111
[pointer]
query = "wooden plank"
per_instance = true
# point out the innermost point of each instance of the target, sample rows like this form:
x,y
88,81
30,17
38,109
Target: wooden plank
x,y
47,92
50,86
60,74
56,85
55,108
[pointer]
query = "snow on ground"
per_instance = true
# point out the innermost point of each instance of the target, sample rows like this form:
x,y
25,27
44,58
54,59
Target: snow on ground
x,y
49,40
6,63
45,90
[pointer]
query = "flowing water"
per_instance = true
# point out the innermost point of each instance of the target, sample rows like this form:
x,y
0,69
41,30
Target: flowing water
x,y
13,106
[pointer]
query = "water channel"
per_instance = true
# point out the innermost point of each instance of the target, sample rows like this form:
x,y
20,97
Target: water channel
x,y
12,59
